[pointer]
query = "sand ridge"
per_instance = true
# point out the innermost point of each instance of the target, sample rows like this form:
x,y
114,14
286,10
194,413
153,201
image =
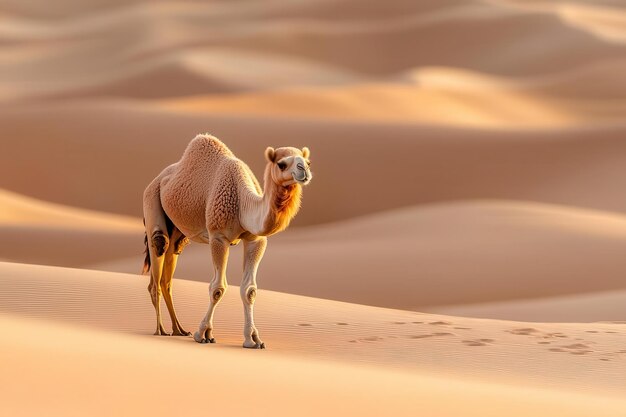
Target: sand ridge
x,y
494,243
436,255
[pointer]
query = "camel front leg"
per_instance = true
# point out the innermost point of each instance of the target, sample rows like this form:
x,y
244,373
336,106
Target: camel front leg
x,y
217,288
253,253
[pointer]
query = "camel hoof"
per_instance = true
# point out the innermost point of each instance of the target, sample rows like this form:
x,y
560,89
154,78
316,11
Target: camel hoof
x,y
255,346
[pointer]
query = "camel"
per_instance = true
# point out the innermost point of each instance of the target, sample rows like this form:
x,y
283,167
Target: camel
x,y
210,196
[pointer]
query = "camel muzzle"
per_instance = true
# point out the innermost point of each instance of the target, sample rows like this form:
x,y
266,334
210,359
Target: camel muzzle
x,y
305,178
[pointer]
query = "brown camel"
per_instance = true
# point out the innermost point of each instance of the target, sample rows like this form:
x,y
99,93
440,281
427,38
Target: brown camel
x,y
210,196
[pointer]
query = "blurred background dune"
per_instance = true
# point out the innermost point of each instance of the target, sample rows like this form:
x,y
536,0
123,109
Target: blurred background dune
x,y
465,152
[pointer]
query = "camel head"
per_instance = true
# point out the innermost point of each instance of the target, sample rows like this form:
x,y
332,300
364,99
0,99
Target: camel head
x,y
289,166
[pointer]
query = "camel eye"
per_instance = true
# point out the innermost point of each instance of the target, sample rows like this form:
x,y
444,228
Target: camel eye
x,y
282,166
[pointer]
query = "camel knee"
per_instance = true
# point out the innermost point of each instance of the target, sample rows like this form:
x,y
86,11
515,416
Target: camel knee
x,y
180,244
154,291
160,243
217,293
248,295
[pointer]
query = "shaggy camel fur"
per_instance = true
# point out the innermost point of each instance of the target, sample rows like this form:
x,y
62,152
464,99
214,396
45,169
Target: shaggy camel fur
x,y
212,197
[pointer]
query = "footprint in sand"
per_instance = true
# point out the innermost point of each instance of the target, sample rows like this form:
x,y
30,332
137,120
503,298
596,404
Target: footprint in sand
x,y
478,342
417,322
463,328
557,334
529,331
341,324
526,331
440,323
422,336
573,349
399,322
371,339
305,324
612,355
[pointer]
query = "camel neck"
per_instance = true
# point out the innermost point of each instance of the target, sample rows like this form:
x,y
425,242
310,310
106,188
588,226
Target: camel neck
x,y
272,212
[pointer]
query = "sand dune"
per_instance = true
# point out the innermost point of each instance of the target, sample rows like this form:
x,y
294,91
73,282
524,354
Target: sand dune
x,y
468,159
109,52
477,107
604,19
127,144
442,254
132,369
194,71
581,358
45,233
19,210
591,306
425,256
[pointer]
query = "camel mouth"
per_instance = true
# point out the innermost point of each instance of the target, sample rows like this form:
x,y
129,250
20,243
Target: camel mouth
x,y
304,180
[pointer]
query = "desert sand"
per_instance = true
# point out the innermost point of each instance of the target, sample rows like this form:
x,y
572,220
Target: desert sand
x,y
94,329
460,250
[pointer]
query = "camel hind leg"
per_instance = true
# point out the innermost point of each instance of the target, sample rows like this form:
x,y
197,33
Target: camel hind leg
x,y
157,244
178,241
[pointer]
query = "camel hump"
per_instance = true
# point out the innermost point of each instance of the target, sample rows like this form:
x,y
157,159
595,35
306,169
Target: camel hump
x,y
205,146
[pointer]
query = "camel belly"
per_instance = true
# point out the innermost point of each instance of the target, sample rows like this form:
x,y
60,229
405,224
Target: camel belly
x,y
184,208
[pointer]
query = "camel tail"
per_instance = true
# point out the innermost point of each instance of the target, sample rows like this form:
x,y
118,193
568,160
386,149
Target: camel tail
x,y
146,261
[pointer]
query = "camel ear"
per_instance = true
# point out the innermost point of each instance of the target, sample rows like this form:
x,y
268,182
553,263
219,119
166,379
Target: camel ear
x,y
306,152
270,154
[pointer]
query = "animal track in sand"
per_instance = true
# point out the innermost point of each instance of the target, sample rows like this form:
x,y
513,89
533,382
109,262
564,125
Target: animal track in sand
x,y
574,349
478,342
612,355
422,336
305,324
371,339
440,323
417,322
399,322
341,324
524,331
463,328
529,331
